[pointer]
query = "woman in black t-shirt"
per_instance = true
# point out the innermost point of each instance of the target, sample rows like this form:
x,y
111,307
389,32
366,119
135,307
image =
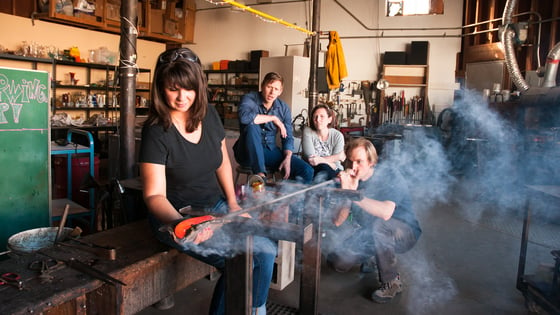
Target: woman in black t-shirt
x,y
184,162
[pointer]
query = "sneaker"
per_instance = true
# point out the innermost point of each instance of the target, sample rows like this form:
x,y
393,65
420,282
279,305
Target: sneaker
x,y
388,290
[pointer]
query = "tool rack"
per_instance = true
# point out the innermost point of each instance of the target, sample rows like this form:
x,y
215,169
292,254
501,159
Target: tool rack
x,y
537,292
76,210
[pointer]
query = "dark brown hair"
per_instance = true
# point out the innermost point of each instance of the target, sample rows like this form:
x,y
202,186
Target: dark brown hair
x,y
312,121
181,68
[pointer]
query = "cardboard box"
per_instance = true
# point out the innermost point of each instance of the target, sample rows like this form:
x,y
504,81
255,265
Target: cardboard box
x,y
171,27
113,12
156,21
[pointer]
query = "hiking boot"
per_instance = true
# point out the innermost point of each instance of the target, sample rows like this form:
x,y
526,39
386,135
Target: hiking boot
x,y
388,290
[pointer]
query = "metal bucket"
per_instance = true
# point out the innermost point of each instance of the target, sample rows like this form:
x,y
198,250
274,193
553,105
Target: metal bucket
x,y
33,240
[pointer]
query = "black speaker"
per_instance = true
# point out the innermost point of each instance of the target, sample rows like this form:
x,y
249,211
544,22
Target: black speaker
x,y
418,53
322,86
394,58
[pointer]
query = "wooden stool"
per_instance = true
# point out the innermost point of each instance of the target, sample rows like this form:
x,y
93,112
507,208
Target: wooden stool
x,y
247,171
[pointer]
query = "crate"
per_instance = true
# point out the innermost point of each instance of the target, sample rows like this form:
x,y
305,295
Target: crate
x,y
284,265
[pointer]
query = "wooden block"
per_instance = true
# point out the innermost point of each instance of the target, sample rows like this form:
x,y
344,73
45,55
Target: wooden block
x,y
284,265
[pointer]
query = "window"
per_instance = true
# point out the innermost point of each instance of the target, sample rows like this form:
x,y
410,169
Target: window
x,y
414,7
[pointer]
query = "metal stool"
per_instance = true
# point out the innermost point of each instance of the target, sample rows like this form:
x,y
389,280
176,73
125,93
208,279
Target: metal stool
x,y
247,171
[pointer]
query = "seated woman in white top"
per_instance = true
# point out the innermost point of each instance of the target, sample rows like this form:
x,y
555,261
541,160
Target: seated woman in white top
x,y
322,146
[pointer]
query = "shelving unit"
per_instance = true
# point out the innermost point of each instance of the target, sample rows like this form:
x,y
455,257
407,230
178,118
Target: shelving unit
x,y
226,89
98,81
76,210
92,78
405,101
89,75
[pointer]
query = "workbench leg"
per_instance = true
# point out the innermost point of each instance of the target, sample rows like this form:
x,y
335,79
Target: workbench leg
x,y
523,248
311,260
239,281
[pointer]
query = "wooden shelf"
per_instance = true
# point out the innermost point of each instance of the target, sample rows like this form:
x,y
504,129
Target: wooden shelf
x,y
154,24
404,79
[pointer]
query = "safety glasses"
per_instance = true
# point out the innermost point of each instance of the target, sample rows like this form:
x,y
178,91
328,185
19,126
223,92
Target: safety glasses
x,y
173,55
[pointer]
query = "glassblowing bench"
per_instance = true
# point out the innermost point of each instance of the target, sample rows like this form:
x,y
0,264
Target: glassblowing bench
x,y
305,232
538,293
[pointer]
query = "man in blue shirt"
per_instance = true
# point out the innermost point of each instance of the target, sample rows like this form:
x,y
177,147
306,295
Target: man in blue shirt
x,y
261,116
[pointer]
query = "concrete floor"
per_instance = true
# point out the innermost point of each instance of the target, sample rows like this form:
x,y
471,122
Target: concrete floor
x,y
465,263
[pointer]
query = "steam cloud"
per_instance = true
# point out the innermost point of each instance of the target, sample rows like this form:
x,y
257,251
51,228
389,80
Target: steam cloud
x,y
482,147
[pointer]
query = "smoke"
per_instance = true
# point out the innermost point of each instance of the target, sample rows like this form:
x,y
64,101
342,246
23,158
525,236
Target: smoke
x,y
430,288
477,164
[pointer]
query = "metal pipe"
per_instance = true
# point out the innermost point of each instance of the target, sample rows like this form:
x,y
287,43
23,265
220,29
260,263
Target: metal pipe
x,y
127,77
314,57
507,38
551,67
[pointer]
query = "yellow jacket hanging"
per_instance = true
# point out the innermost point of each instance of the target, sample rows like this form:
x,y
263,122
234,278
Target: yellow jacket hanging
x,y
335,63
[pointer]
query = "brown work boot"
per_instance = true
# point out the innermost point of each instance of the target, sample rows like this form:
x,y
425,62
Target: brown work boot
x,y
388,290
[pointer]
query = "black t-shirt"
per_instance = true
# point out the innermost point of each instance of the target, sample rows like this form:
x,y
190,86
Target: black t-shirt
x,y
190,169
388,184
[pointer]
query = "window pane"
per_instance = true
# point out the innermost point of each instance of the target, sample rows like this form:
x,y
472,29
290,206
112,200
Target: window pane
x,y
414,7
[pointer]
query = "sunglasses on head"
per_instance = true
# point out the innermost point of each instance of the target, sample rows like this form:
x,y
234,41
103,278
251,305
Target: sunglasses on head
x,y
174,55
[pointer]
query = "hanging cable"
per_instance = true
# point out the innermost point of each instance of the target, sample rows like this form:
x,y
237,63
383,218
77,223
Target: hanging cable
x,y
263,15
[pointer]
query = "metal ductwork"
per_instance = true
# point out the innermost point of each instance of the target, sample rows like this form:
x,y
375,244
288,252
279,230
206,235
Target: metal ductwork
x,y
507,38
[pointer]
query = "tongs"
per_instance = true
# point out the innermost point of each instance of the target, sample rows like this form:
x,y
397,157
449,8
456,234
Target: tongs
x,y
105,252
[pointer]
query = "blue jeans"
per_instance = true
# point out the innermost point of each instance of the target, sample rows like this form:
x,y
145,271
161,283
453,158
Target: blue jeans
x,y
383,240
222,245
323,172
250,151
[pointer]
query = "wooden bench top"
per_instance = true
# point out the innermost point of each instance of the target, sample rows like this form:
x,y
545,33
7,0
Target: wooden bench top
x,y
151,270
